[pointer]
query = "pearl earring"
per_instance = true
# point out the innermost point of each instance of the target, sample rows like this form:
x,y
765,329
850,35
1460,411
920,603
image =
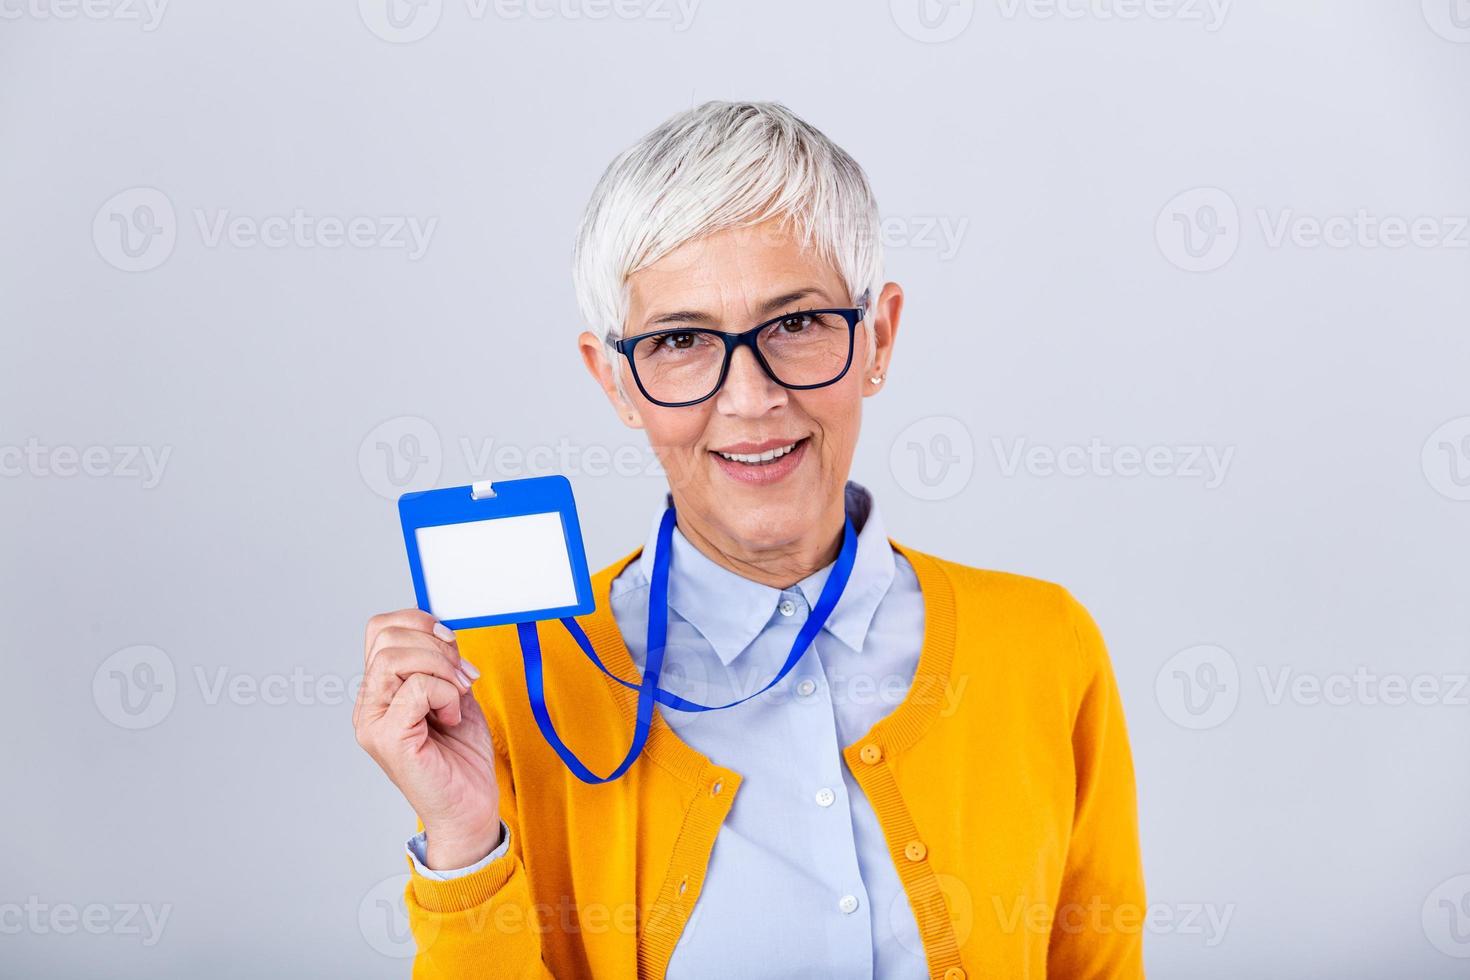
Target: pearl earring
x,y
876,380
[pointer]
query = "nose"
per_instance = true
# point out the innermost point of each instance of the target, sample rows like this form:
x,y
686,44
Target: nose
x,y
748,391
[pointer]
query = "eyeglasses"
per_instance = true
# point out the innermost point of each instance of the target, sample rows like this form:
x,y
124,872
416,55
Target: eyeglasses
x,y
685,366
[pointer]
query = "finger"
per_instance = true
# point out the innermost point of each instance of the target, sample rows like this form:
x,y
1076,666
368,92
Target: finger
x,y
402,636
392,668
418,697
414,619
395,665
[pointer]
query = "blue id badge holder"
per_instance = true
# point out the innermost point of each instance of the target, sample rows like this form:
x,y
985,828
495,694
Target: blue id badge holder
x,y
510,551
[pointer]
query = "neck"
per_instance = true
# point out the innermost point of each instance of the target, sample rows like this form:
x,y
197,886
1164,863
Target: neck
x,y
781,565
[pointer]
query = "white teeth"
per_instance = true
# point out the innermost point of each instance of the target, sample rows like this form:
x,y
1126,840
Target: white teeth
x,y
764,457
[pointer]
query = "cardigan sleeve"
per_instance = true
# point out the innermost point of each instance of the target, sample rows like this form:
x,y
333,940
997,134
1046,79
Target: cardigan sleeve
x,y
1098,927
418,854
482,924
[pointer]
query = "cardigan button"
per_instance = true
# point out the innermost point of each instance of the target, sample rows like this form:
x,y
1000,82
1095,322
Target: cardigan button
x,y
871,754
954,973
915,850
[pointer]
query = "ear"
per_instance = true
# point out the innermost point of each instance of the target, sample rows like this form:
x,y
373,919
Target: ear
x,y
592,349
883,317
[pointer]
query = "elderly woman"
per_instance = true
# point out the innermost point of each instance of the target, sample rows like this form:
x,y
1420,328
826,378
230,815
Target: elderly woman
x,y
940,785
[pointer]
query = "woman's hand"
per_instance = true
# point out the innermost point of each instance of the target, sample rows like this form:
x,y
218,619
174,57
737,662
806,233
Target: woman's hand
x,y
416,717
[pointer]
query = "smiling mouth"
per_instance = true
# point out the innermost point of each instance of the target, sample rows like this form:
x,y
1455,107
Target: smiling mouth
x,y
761,459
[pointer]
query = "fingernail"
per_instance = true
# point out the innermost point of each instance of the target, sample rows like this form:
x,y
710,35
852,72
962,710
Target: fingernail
x,y
469,668
444,632
462,678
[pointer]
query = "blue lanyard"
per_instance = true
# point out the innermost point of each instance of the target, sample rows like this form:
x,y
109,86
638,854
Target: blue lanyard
x,y
658,625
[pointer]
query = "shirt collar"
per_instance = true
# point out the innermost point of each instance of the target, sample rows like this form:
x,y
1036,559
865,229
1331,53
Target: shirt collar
x,y
730,611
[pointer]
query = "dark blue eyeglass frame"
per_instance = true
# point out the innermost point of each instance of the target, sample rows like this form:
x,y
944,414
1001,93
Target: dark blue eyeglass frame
x,y
745,338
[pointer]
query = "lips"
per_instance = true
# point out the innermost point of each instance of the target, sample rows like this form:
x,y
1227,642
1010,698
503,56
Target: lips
x,y
761,463
762,455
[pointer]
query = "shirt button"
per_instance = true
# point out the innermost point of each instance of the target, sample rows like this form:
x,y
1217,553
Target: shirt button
x,y
915,850
848,904
787,607
825,797
806,687
871,754
954,973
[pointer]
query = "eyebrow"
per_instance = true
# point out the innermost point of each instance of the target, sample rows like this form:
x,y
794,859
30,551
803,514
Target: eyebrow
x,y
767,309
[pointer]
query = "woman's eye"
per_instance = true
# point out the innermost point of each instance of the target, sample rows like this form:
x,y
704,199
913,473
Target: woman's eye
x,y
796,322
673,341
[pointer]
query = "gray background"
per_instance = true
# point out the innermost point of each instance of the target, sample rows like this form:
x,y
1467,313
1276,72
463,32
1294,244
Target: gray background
x,y
1066,308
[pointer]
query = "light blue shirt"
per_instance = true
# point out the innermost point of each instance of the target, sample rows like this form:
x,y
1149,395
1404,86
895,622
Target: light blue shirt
x,y
800,882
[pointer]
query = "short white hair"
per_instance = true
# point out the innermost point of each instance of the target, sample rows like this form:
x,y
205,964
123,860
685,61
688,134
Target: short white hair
x,y
717,166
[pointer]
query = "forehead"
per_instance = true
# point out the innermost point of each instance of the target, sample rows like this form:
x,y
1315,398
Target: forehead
x,y
733,270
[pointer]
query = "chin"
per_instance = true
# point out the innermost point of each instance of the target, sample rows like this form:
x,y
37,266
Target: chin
x,y
774,522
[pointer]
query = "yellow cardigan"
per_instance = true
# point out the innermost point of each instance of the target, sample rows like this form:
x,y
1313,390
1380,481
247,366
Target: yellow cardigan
x,y
1003,783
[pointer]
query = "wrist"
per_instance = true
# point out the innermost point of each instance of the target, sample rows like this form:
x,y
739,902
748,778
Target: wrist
x,y
449,851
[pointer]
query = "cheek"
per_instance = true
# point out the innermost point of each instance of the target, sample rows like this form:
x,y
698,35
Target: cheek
x,y
673,430
837,415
